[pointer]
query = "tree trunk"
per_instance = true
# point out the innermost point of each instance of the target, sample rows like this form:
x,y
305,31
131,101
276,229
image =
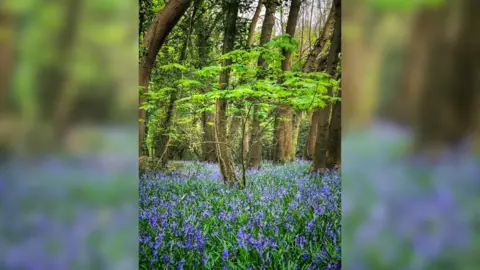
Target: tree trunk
x,y
312,135
225,159
310,22
162,138
253,24
297,120
255,153
335,135
448,95
283,120
235,125
155,36
319,162
309,65
208,149
245,142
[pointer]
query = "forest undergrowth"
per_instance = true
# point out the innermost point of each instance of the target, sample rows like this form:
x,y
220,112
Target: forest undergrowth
x,y
285,218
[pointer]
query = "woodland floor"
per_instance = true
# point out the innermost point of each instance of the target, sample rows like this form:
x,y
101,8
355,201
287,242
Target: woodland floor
x,y
285,218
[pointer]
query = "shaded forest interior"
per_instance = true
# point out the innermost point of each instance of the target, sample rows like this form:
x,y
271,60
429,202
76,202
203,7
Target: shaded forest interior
x,y
240,83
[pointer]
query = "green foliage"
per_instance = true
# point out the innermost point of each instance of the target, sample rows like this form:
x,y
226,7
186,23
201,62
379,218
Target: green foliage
x,y
403,5
196,88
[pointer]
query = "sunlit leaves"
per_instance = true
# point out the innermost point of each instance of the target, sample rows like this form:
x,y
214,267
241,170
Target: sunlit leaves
x,y
209,72
173,66
188,83
285,42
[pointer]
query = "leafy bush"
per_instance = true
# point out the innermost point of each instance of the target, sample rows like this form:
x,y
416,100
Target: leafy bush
x,y
175,165
284,219
146,163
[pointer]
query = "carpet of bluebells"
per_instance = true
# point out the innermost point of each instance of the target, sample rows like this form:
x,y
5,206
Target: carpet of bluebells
x,y
285,218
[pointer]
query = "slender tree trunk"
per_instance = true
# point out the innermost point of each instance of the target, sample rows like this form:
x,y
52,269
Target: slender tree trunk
x,y
283,120
208,124
282,27
225,159
253,24
245,142
319,161
300,53
297,120
155,36
255,153
310,26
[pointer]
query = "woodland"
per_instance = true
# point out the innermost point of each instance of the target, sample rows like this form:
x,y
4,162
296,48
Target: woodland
x,y
239,134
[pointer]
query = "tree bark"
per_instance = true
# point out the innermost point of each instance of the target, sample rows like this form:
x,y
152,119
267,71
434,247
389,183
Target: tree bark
x,y
297,120
155,36
312,135
225,159
319,161
283,121
208,149
335,136
255,153
253,24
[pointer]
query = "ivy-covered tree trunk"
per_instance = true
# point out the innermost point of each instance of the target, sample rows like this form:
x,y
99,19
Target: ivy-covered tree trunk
x,y
155,36
321,144
283,119
255,153
224,154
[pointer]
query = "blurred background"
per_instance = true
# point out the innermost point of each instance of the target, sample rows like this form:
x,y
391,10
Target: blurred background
x,y
411,120
68,103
